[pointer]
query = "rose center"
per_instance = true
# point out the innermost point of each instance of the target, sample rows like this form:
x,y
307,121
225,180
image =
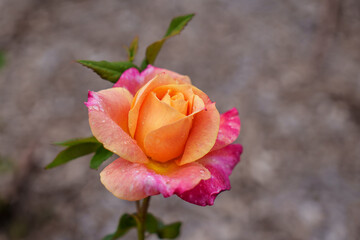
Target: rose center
x,y
164,122
177,101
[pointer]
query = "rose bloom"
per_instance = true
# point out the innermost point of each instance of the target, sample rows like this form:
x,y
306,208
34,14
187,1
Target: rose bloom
x,y
170,137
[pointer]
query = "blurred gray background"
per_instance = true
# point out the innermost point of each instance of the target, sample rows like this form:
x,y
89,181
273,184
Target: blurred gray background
x,y
291,68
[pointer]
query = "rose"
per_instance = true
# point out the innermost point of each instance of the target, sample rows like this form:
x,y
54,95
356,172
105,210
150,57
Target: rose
x,y
169,135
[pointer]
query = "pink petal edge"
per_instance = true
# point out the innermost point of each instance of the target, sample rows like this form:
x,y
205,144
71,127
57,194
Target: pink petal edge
x,y
229,129
220,163
108,111
134,181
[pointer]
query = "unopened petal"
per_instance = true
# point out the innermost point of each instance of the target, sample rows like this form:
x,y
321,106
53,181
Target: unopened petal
x,y
179,103
159,80
173,89
108,110
220,163
153,115
135,181
197,104
201,94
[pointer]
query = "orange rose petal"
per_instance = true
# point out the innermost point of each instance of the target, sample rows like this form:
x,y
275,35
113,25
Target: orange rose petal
x,y
197,104
183,79
202,95
159,80
173,89
166,98
179,103
168,142
154,114
108,111
202,136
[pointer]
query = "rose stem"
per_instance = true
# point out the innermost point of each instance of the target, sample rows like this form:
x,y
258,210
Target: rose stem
x,y
141,216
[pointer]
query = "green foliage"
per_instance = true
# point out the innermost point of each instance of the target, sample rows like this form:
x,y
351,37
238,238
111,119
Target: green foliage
x,y
126,223
155,225
76,141
175,27
73,152
152,225
151,53
100,156
132,49
170,231
178,24
110,71
79,147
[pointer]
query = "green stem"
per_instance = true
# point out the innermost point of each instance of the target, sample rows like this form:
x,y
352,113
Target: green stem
x,y
142,209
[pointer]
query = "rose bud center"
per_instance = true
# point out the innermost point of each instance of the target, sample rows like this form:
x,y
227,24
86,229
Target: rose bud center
x,y
165,120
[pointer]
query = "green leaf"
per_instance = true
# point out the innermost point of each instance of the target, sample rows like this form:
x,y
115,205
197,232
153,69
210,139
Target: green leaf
x,y
152,224
100,156
155,225
170,231
151,52
73,152
76,141
110,71
175,27
126,223
178,24
132,49
2,59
